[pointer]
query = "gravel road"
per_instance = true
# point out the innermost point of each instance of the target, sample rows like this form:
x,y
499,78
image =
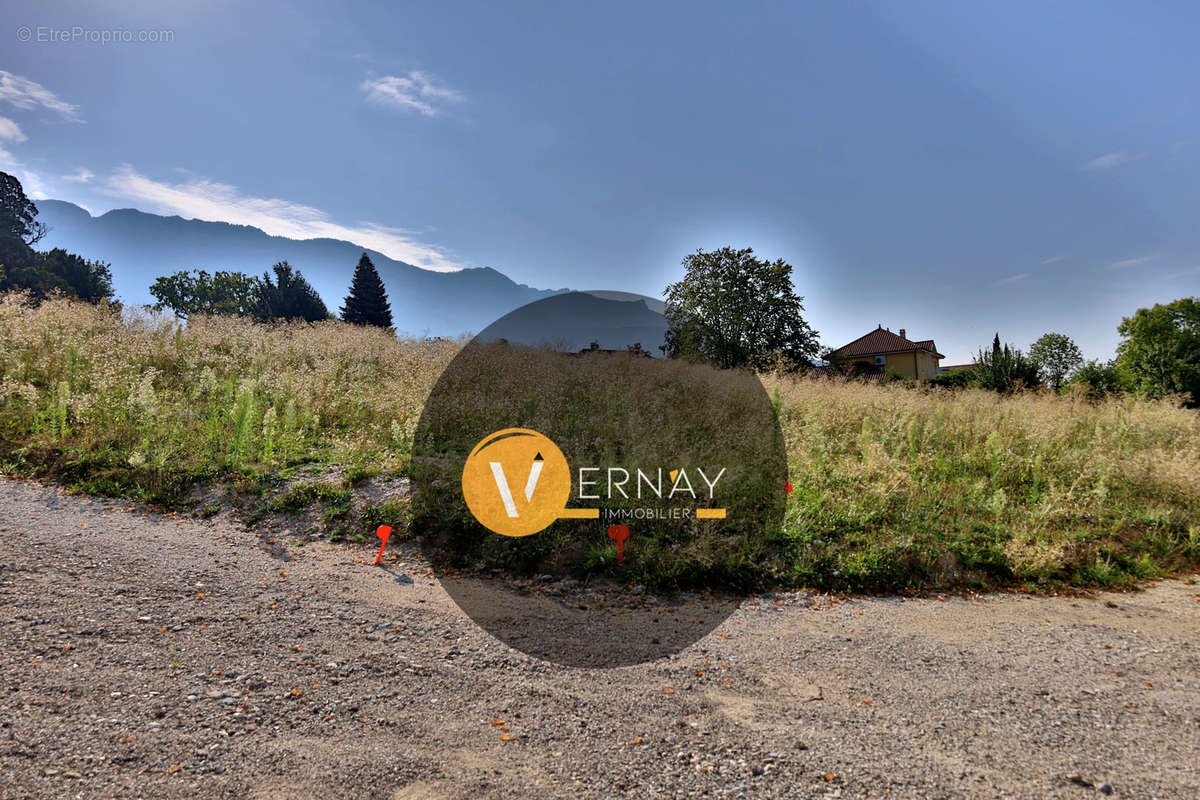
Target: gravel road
x,y
149,656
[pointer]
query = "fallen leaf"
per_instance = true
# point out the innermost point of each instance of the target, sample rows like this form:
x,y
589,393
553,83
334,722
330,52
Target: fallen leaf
x,y
296,692
504,737
829,776
866,702
497,721
173,769
638,740
669,690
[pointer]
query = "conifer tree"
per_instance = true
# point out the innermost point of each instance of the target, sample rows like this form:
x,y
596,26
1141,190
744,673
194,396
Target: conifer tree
x,y
367,303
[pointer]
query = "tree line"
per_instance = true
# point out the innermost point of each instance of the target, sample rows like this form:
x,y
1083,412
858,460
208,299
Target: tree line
x,y
1158,355
732,309
280,293
22,268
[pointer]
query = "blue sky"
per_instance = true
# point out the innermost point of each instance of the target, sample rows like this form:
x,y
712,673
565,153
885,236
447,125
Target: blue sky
x,y
950,168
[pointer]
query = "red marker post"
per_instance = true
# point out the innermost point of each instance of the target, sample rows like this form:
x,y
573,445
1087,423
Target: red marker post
x,y
383,533
619,533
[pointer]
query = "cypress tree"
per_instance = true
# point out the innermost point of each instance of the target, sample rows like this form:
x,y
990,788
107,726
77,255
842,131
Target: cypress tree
x,y
367,303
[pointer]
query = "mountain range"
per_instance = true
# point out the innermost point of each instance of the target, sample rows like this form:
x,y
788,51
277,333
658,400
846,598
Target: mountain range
x,y
141,247
574,320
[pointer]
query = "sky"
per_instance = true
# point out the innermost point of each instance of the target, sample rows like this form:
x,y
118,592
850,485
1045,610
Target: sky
x,y
954,169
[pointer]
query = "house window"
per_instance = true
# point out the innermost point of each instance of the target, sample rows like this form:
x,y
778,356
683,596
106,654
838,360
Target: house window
x,y
880,360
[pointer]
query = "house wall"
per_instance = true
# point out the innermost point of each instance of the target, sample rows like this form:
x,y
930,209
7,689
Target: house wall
x,y
913,364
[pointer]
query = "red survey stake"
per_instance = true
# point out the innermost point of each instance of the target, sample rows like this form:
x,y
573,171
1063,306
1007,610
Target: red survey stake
x,y
383,533
619,533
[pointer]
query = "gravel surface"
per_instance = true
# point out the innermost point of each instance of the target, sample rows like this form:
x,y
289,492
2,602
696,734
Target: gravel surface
x,y
149,656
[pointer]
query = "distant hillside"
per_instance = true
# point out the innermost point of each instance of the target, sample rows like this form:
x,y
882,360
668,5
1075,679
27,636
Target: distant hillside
x,y
572,321
143,246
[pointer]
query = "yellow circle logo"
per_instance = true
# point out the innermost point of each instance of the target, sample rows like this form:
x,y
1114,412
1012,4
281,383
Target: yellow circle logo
x,y
516,482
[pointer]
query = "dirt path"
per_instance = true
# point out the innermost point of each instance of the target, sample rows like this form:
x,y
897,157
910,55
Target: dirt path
x,y
144,656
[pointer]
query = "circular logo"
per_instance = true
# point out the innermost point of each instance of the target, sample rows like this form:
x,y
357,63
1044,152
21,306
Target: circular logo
x,y
588,501
516,482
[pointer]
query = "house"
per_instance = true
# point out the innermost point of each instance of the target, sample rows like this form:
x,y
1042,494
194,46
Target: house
x,y
957,367
883,351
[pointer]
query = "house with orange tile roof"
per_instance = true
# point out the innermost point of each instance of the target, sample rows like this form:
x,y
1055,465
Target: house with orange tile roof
x,y
882,351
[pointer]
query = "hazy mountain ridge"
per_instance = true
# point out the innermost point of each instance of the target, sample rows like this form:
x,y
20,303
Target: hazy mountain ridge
x,y
142,246
572,321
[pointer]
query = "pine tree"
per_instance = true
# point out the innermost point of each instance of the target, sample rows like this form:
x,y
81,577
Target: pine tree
x,y
367,303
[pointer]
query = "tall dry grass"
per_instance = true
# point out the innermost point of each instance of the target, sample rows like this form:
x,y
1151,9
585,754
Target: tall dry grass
x,y
905,483
894,486
146,401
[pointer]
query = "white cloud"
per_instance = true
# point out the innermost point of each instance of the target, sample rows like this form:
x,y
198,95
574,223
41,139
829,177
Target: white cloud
x,y
31,182
1111,160
1130,262
1011,279
220,202
1052,260
11,131
416,91
26,94
81,175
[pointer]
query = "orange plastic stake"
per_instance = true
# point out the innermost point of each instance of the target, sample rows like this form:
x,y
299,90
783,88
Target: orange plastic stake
x,y
788,486
383,533
619,533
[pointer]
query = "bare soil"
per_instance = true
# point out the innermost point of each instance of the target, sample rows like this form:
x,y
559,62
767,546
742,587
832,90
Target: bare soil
x,y
145,655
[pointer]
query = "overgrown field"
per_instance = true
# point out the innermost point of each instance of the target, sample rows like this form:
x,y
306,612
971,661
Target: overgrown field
x,y
895,487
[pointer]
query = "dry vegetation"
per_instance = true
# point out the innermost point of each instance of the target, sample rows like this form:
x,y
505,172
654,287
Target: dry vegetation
x,y
896,487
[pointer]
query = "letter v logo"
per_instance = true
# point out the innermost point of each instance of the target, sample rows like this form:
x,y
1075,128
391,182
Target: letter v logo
x,y
535,470
516,482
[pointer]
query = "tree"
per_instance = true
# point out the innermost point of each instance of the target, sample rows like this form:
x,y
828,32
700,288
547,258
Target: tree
x,y
198,292
18,213
1003,368
1055,356
41,274
367,303
74,275
1098,378
734,310
1160,349
289,296
57,272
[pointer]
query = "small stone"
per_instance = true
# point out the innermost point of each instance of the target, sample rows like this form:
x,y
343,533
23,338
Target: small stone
x,y
1105,788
